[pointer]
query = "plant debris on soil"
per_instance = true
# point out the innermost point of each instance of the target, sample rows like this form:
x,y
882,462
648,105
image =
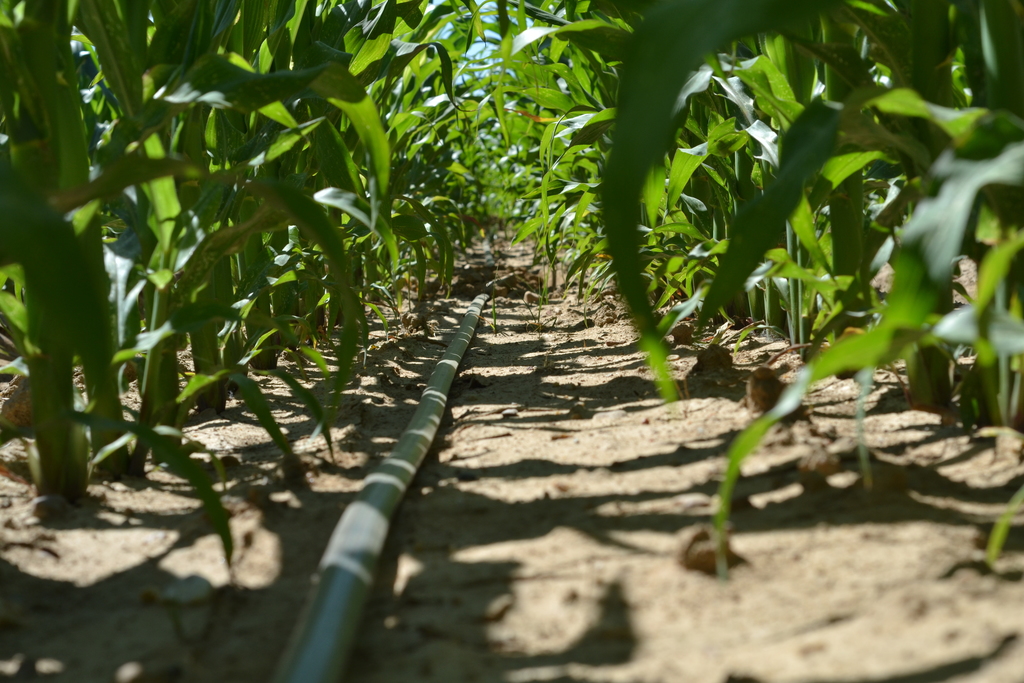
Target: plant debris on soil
x,y
558,532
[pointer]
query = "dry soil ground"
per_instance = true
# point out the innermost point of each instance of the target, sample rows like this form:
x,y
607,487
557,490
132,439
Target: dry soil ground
x,y
544,543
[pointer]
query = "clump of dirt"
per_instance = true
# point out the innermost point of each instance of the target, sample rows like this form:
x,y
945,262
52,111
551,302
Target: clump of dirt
x,y
714,358
682,334
700,551
763,389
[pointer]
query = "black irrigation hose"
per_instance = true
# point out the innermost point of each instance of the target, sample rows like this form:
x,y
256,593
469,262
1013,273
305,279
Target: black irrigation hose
x,y
322,641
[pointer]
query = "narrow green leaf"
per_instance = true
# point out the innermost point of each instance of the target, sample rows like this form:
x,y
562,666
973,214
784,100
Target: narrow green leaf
x,y
761,222
673,38
257,403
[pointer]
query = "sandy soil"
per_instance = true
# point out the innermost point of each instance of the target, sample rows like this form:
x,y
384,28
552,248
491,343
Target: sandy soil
x,y
545,543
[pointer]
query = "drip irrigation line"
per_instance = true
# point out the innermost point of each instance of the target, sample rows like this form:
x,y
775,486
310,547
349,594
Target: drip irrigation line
x,y
323,639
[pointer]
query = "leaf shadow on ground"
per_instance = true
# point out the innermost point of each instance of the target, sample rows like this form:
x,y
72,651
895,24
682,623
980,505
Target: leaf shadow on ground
x,y
449,505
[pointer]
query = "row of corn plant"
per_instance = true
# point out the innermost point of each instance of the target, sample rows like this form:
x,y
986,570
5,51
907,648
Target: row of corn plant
x,y
243,177
761,161
238,178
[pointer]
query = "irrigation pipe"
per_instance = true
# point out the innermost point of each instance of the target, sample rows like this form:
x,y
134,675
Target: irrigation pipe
x,y
322,641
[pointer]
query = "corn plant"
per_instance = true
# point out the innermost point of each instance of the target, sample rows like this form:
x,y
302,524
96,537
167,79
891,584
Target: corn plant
x,y
762,161
234,177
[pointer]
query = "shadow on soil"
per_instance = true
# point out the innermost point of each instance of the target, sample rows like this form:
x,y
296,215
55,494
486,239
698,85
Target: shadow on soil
x,y
456,519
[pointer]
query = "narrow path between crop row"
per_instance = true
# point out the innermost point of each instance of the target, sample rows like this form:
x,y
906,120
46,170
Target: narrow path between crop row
x,y
545,541
545,538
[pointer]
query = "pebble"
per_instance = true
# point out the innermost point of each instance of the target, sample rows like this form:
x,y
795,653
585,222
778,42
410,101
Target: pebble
x,y
509,412
531,298
608,415
579,411
688,501
499,607
824,463
230,460
131,672
234,505
50,507
191,590
135,672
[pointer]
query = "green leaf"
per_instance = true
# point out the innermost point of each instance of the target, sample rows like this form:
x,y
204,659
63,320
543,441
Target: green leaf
x,y
843,58
836,170
335,161
594,128
165,445
405,52
673,38
995,268
123,173
257,403
37,237
997,539
103,24
220,82
760,223
606,39
408,227
343,91
771,88
315,225
889,35
189,318
549,98
993,154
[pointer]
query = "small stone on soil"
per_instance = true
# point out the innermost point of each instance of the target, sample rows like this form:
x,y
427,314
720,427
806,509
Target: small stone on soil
x,y
50,507
509,412
230,461
531,298
234,505
135,672
608,415
823,463
499,608
132,672
579,411
191,590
